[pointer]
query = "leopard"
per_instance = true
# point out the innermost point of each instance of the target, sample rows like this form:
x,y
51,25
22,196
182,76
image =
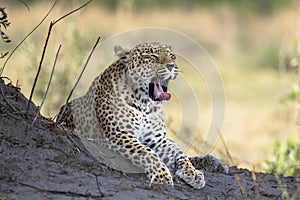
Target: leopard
x,y
123,108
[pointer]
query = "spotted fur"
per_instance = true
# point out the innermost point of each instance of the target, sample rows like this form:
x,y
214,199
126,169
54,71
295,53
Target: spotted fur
x,y
118,110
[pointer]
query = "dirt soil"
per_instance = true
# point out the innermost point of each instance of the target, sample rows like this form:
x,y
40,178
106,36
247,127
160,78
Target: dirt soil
x,y
43,161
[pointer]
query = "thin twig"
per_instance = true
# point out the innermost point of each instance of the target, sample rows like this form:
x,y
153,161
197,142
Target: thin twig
x,y
80,75
237,176
20,43
83,69
48,86
40,65
227,150
4,98
72,12
256,187
44,50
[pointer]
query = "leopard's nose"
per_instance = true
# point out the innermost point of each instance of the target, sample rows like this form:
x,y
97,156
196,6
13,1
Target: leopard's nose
x,y
170,66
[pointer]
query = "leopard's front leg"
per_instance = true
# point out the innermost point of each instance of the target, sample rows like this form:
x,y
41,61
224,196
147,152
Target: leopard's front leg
x,y
141,156
171,154
186,171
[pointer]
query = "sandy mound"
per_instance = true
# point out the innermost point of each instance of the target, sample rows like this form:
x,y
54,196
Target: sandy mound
x,y
42,161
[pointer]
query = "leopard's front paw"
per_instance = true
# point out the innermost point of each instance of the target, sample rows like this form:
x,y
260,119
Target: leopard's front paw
x,y
209,163
193,177
161,176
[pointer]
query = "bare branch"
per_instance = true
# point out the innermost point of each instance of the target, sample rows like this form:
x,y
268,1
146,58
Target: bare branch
x,y
5,99
83,69
48,86
80,75
40,65
44,50
20,43
75,10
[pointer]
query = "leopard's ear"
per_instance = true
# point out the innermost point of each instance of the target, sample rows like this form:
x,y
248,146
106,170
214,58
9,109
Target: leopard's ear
x,y
123,54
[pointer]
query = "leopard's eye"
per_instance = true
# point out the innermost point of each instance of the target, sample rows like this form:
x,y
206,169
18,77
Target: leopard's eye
x,y
148,56
173,57
154,56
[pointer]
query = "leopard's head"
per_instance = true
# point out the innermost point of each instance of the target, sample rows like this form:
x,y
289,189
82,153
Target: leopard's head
x,y
150,68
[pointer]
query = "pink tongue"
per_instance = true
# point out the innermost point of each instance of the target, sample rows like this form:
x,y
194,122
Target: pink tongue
x,y
160,94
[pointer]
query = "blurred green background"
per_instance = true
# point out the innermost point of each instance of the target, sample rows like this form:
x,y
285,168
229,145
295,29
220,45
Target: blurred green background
x,y
255,45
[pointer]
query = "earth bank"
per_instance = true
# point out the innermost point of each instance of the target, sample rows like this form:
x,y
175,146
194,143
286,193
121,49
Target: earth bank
x,y
41,160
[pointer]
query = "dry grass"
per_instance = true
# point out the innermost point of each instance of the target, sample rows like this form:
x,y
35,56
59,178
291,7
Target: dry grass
x,y
254,118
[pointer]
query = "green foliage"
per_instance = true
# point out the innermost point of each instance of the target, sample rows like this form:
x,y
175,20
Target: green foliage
x,y
4,23
268,56
254,6
264,55
295,61
294,64
294,93
284,158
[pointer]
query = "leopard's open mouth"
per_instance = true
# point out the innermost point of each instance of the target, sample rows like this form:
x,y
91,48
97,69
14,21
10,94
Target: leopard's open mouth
x,y
158,92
